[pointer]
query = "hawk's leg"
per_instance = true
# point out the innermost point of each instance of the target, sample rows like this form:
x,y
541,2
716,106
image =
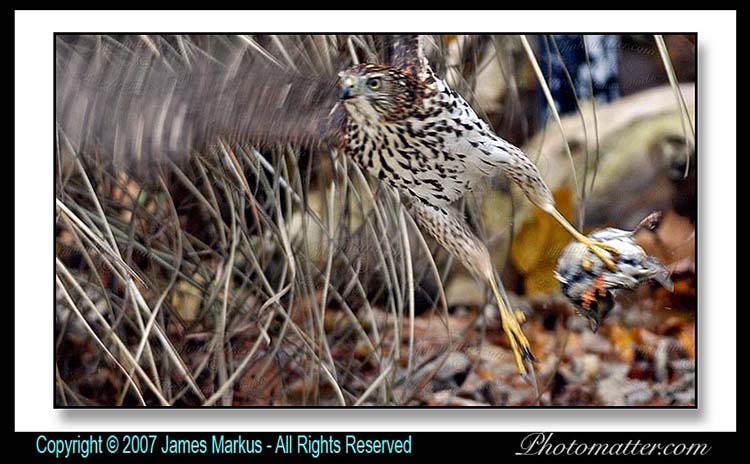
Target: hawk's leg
x,y
447,226
526,175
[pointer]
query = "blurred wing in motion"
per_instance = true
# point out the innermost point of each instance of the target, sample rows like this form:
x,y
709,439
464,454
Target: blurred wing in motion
x,y
404,52
143,98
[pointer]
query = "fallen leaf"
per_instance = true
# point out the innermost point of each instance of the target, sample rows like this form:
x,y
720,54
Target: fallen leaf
x,y
539,243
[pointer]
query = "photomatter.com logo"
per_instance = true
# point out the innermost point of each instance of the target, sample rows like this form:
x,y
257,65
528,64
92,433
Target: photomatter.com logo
x,y
541,444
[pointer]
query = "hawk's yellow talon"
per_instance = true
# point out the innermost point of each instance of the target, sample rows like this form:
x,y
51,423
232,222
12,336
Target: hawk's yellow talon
x,y
601,250
519,344
604,252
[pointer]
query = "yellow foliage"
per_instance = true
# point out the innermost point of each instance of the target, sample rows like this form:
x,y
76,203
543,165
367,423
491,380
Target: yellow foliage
x,y
539,243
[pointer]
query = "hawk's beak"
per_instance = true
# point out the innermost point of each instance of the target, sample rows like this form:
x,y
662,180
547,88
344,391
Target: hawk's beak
x,y
348,88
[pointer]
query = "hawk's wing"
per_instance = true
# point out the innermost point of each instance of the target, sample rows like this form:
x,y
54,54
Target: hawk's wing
x,y
144,98
405,52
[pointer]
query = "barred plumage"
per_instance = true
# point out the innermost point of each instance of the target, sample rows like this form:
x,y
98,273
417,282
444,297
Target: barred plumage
x,y
409,129
427,141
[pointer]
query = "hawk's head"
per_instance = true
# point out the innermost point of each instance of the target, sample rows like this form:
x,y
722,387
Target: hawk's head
x,y
379,93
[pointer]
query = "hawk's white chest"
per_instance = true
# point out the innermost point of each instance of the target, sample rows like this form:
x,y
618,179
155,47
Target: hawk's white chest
x,y
435,155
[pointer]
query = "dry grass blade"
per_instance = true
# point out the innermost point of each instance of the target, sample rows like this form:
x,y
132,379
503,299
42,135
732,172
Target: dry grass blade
x,y
374,385
120,345
687,124
78,313
550,104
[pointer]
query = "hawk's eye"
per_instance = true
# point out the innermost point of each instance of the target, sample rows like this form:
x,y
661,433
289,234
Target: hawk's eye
x,y
374,83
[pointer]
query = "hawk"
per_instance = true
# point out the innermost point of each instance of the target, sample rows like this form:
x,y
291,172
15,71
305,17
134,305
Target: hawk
x,y
397,119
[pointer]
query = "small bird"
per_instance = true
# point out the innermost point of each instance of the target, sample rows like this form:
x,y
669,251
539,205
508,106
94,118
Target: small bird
x,y
157,97
589,284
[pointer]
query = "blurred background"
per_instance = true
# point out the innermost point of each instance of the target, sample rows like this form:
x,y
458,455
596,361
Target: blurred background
x,y
286,277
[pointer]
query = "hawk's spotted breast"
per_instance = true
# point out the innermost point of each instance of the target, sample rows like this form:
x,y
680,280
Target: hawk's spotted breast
x,y
420,136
